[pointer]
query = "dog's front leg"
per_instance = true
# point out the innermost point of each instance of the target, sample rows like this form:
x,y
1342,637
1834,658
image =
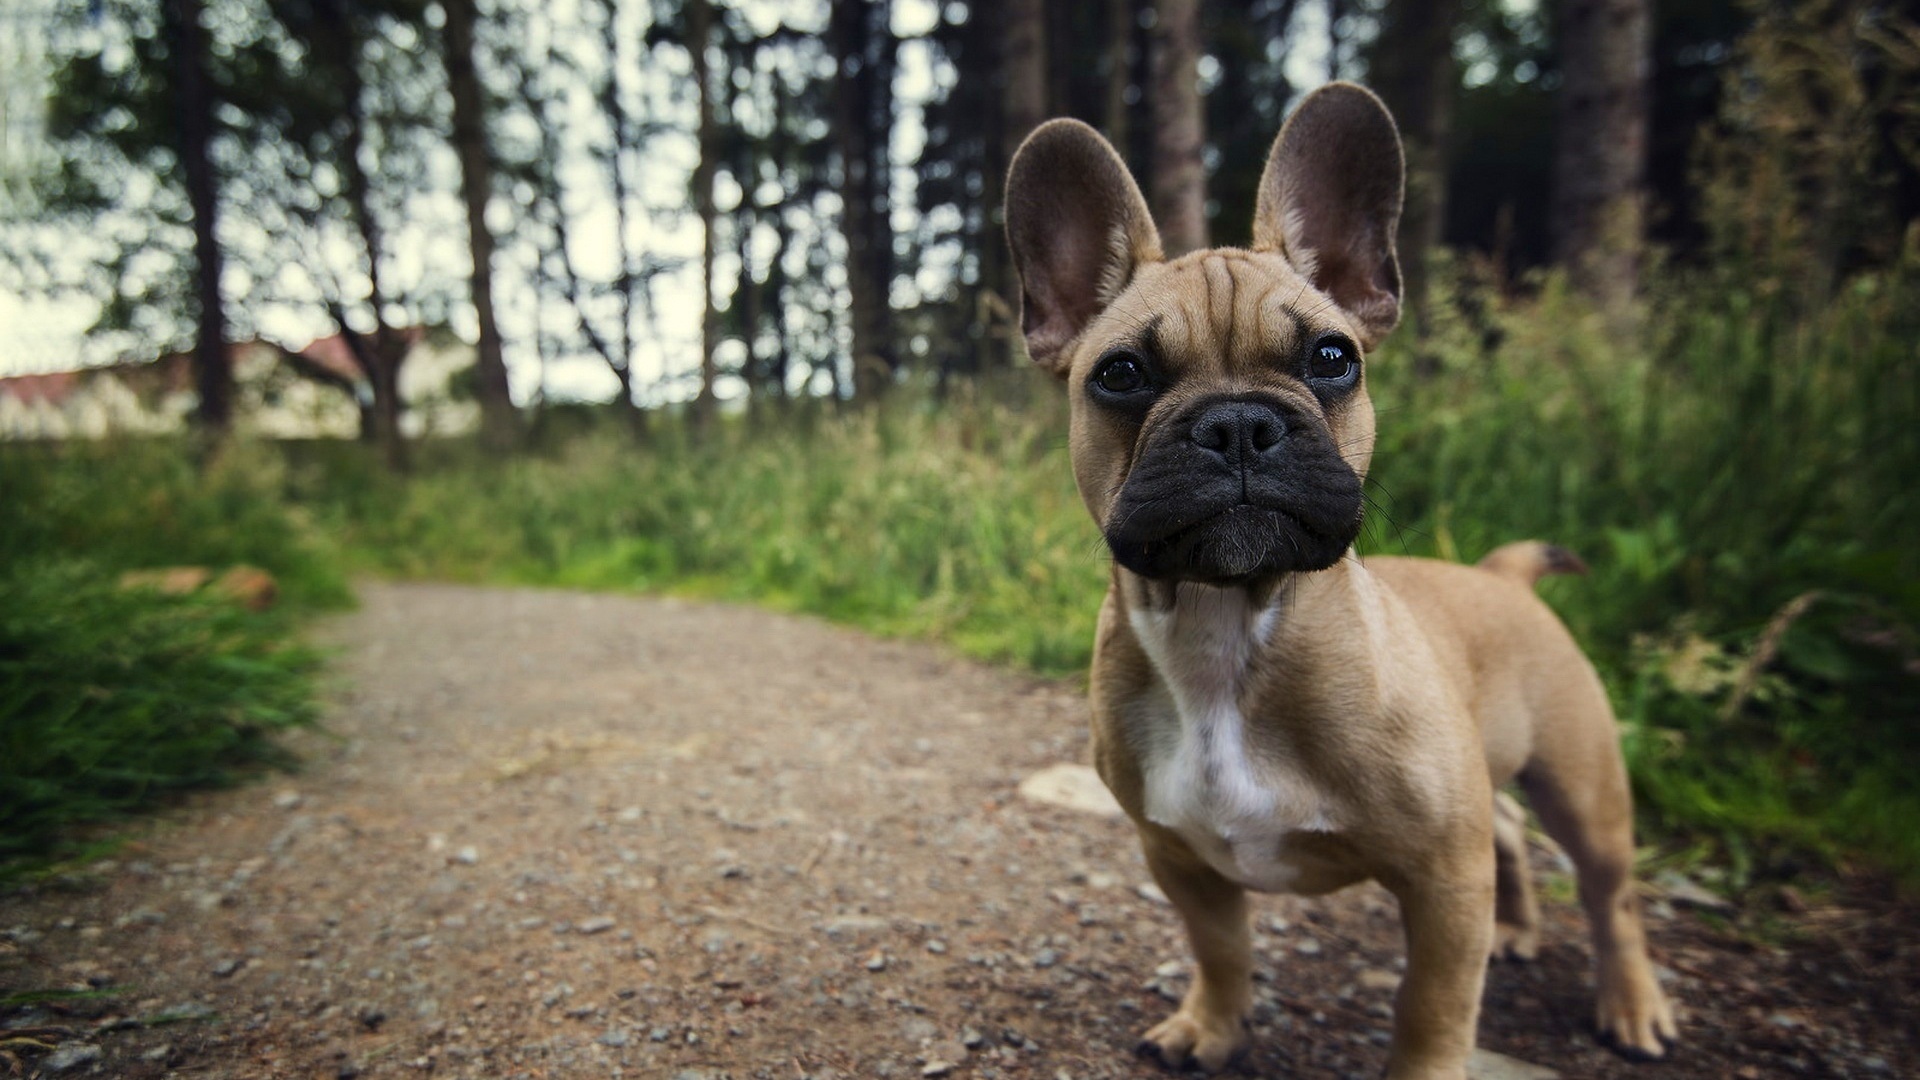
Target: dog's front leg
x,y
1448,913
1210,1028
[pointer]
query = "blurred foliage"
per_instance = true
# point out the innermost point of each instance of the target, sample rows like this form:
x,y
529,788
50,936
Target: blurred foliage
x,y
1737,473
1735,458
131,504
955,520
1738,479
111,698
1716,467
1811,168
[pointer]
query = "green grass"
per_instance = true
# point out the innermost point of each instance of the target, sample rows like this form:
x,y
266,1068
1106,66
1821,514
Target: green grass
x,y
130,504
1737,462
113,700
1740,482
958,522
1712,465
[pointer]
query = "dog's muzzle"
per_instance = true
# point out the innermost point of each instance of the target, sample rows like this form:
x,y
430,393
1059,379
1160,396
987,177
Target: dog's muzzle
x,y
1234,490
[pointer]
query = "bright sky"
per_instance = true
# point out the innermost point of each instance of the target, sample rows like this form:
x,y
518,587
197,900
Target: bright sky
x,y
37,334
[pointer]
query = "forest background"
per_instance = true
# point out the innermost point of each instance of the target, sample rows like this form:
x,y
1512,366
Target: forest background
x,y
743,318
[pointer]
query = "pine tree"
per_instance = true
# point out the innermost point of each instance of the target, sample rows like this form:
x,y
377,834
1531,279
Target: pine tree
x,y
1177,189
500,423
1601,158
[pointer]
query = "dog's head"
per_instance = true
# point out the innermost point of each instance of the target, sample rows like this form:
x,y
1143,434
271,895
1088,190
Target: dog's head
x,y
1221,427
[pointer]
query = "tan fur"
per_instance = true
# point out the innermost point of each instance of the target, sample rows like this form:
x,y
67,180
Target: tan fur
x,y
1527,561
1313,729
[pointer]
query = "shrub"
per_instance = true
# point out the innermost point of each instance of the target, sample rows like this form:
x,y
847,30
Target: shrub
x,y
113,698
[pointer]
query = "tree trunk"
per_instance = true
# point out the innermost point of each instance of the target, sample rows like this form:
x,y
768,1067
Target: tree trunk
x,y
382,359
379,359
212,368
746,299
1120,24
631,413
499,422
1013,33
1412,69
1023,59
699,35
618,353
1178,190
882,61
781,360
863,112
1601,158
1336,11
386,404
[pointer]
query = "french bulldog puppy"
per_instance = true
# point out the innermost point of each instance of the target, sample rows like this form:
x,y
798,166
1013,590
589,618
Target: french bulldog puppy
x,y
1272,713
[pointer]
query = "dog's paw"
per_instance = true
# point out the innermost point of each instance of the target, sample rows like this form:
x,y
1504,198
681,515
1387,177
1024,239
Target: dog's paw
x,y
1637,1021
1189,1039
1512,942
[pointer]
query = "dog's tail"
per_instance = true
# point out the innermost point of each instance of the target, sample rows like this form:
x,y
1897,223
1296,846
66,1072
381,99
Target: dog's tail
x,y
1527,561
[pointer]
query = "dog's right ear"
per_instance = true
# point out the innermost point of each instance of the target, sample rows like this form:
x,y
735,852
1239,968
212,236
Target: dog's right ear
x,y
1078,227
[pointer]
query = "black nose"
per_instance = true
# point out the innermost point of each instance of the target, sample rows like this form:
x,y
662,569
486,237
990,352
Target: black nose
x,y
1237,431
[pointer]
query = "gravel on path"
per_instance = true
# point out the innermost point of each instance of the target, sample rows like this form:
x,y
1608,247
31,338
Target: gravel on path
x,y
551,834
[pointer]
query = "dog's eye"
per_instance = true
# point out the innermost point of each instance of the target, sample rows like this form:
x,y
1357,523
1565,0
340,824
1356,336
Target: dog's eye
x,y
1121,374
1331,359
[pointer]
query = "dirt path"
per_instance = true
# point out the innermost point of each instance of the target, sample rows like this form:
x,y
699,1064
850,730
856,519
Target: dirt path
x,y
571,835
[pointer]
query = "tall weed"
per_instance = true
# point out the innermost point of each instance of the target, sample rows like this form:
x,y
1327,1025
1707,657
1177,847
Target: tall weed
x,y
1739,480
1741,486
112,699
130,504
956,521
1713,465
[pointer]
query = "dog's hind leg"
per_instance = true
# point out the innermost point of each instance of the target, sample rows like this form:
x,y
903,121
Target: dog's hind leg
x,y
1210,1027
1516,915
1577,784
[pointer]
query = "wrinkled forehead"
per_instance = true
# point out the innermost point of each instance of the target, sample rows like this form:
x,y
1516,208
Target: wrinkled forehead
x,y
1224,309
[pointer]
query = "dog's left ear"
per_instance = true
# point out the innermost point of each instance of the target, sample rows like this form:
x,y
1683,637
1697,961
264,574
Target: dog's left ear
x,y
1330,202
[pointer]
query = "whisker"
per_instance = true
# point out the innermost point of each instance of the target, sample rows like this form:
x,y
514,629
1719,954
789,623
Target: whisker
x,y
1383,510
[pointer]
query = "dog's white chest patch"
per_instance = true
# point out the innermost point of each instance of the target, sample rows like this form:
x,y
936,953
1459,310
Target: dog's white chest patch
x,y
1235,809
